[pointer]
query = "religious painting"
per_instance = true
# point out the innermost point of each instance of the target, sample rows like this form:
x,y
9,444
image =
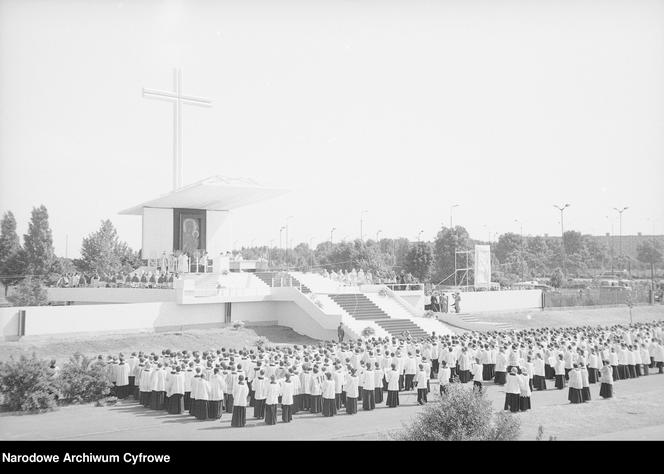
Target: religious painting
x,y
189,230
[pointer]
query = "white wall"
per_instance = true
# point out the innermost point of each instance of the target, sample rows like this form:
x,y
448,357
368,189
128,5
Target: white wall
x,y
111,295
157,232
219,235
478,301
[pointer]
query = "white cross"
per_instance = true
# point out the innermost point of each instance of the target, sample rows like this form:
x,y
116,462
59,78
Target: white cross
x,y
178,100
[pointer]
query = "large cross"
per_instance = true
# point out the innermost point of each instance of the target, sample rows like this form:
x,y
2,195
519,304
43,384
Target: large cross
x,y
178,100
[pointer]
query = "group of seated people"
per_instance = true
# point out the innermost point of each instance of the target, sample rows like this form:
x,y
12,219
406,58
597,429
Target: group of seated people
x,y
360,277
136,279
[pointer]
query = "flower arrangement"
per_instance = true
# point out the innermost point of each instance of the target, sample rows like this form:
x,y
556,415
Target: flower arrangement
x,y
316,301
429,314
383,293
368,331
238,325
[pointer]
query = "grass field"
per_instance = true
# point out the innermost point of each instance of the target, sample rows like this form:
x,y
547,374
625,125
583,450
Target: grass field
x,y
61,348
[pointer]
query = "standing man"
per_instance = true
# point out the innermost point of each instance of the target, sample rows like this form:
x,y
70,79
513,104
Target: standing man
x,y
271,402
341,333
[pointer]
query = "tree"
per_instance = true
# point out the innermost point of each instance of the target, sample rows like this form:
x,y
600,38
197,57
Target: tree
x,y
557,279
508,244
103,252
420,261
447,242
14,269
12,261
38,243
27,384
649,252
461,415
30,292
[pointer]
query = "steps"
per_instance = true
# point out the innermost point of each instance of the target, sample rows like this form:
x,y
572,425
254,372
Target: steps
x,y
361,308
272,279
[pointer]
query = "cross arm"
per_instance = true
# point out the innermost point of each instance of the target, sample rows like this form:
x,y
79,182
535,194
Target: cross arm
x,y
171,97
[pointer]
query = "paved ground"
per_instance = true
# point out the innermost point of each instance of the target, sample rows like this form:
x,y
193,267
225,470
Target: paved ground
x,y
636,412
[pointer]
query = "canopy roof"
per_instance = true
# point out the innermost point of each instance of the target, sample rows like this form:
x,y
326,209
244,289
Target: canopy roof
x,y
217,193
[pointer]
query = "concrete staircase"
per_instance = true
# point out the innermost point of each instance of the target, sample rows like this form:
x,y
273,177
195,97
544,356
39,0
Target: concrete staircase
x,y
272,279
396,310
362,308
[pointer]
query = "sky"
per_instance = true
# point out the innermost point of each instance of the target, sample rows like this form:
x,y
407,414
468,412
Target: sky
x,y
397,108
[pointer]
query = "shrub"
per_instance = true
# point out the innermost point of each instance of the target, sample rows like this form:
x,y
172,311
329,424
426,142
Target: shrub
x,y
30,292
27,384
461,415
238,325
83,380
262,341
368,331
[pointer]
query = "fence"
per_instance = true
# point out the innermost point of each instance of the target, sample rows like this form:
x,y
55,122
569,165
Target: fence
x,y
595,297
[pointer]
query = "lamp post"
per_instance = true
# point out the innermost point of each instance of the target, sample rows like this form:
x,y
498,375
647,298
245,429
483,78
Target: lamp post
x,y
521,251
620,212
361,224
332,234
419,234
378,235
452,207
281,245
287,234
562,235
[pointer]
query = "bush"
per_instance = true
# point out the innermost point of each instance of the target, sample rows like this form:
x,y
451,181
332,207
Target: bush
x,y
27,384
238,325
83,380
461,415
30,292
368,331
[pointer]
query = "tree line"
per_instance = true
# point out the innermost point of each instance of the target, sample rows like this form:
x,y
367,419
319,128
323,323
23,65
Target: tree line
x,y
514,257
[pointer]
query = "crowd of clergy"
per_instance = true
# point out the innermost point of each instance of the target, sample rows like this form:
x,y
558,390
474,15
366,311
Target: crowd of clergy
x,y
334,376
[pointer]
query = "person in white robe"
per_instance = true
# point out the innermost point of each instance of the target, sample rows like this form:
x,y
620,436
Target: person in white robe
x,y
272,401
329,395
392,377
286,390
585,384
379,376
606,380
524,395
176,389
444,376
478,374
240,395
513,391
575,385
351,386
260,395
122,379
217,390
158,388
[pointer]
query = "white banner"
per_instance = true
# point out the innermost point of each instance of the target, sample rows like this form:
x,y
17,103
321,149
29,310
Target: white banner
x,y
482,265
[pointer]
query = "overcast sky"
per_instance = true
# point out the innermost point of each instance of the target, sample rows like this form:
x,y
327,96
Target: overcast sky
x,y
400,108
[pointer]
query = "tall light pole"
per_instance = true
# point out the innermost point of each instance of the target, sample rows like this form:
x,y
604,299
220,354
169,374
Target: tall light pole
x,y
361,224
452,207
332,234
419,234
287,234
610,241
281,245
620,211
378,235
562,235
521,252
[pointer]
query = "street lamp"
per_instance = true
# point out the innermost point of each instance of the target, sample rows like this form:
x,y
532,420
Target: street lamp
x,y
562,235
281,245
521,252
452,207
332,233
419,234
378,234
620,211
361,223
287,235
